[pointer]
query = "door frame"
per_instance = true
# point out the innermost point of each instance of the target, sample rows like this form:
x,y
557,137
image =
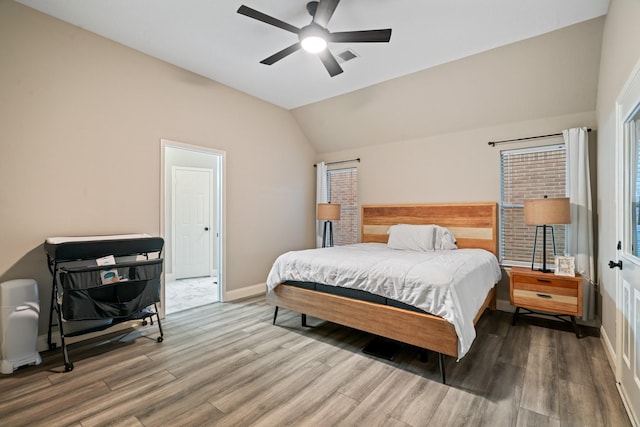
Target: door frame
x,y
173,214
627,105
221,209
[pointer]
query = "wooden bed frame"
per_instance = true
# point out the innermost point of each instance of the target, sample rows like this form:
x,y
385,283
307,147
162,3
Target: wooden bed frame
x,y
473,224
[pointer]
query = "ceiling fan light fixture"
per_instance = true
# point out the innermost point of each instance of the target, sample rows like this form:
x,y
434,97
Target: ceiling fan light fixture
x,y
313,44
314,37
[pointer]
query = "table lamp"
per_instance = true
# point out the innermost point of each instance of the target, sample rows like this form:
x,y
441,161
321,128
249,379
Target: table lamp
x,y
544,213
328,212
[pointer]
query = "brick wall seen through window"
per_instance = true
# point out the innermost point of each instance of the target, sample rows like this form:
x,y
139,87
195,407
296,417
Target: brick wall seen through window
x,y
342,188
529,174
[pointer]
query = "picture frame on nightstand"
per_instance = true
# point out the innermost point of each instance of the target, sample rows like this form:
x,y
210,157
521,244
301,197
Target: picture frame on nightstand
x,y
565,266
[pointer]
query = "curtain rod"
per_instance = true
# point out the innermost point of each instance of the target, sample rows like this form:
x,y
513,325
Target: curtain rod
x,y
493,143
342,161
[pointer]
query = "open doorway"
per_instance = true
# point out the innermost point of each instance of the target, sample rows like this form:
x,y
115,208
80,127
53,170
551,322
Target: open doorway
x,y
192,225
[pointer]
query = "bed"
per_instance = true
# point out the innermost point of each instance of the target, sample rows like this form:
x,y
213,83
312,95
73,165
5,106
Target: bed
x,y
474,226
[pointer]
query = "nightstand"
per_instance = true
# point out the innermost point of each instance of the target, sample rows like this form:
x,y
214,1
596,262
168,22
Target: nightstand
x,y
546,294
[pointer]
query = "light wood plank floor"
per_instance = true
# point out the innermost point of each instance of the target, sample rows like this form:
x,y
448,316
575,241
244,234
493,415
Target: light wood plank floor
x,y
226,365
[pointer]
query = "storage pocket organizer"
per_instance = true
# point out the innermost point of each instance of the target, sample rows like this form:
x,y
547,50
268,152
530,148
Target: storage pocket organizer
x,y
84,297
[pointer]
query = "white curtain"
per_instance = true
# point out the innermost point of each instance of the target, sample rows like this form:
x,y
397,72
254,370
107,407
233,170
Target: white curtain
x,y
580,231
321,197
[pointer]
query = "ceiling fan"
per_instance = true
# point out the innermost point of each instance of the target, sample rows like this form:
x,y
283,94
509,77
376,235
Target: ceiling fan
x,y
315,36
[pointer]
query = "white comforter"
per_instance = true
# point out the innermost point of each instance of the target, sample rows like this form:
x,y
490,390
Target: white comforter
x,y
450,284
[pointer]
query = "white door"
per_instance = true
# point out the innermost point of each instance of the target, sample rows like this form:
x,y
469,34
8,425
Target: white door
x,y
628,228
192,221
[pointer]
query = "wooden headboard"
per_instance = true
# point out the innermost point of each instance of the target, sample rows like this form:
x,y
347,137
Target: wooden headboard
x,y
473,224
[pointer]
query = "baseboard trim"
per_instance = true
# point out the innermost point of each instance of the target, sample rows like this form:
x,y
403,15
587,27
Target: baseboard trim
x,y
611,356
246,292
627,406
608,348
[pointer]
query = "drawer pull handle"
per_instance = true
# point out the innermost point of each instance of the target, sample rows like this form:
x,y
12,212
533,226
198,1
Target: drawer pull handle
x,y
544,295
544,280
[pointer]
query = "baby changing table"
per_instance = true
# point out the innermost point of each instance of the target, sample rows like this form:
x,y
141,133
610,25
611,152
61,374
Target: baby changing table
x,y
80,291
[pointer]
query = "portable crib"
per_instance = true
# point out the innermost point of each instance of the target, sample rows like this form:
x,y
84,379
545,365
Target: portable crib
x,y
79,291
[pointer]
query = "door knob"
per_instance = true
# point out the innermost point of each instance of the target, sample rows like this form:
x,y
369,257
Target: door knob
x,y
206,229
615,264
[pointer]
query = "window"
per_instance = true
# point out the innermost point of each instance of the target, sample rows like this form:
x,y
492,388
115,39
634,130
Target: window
x,y
529,173
342,188
633,127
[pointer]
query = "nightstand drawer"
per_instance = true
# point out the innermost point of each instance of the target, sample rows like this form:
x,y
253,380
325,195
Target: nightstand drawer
x,y
558,287
545,301
531,282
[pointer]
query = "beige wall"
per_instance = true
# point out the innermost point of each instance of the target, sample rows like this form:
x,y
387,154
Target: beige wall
x,y
81,119
620,56
457,167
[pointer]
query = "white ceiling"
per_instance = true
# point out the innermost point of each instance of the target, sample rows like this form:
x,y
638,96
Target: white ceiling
x,y
209,38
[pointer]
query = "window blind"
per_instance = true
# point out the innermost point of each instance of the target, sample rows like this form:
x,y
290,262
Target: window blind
x,y
529,174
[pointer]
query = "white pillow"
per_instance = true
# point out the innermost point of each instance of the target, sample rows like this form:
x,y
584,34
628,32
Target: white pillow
x,y
444,239
412,237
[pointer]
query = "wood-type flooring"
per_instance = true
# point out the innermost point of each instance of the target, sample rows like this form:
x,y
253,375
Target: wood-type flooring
x,y
226,365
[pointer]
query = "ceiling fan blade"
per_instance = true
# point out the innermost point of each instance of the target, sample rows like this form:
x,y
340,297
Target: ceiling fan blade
x,y
324,12
252,13
367,36
330,63
279,55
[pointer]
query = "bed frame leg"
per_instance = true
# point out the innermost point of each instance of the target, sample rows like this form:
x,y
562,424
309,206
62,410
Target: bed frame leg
x,y
275,315
304,320
441,363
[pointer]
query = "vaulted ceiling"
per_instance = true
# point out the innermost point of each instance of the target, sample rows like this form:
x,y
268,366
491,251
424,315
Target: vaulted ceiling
x,y
452,55
211,39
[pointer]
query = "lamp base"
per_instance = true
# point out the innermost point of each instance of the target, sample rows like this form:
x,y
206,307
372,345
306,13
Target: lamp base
x,y
544,268
327,237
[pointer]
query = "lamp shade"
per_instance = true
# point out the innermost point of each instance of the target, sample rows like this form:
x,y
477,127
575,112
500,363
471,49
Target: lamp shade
x,y
328,211
547,211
